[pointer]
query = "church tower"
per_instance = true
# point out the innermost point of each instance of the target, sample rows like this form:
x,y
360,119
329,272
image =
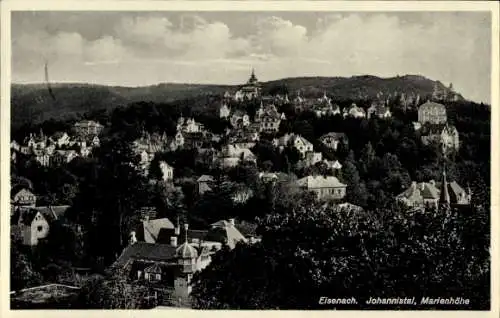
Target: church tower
x,y
444,196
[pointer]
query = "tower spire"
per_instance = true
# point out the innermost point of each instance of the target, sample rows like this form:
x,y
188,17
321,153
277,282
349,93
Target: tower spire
x,y
444,198
186,226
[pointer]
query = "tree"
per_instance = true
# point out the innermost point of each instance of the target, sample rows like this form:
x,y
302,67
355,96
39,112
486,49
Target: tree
x,y
23,274
114,292
315,250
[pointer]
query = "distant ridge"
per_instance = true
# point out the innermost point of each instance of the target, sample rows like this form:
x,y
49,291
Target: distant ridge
x,y
33,103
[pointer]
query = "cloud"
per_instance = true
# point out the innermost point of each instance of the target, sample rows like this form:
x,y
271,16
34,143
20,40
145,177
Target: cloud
x,y
222,47
106,48
280,37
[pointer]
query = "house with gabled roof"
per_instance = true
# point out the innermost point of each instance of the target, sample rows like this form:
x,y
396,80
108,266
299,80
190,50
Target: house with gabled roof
x,y
204,183
429,194
23,197
332,140
325,187
302,145
32,226
379,110
354,111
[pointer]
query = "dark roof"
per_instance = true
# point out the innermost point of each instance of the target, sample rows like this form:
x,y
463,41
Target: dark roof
x,y
27,216
52,213
150,251
205,178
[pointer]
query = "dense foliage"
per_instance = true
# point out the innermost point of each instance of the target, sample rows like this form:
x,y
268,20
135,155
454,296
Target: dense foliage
x,y
314,251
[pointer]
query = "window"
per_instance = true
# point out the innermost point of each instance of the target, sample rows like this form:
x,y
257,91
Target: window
x,y
39,228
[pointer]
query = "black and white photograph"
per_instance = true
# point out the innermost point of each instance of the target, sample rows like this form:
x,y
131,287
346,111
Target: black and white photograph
x,y
243,159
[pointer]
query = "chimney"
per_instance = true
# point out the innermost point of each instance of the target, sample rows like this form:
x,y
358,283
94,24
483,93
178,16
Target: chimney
x,y
177,227
231,221
133,238
173,241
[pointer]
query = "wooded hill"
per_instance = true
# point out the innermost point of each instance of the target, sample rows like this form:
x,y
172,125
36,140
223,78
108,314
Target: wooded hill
x,y
34,103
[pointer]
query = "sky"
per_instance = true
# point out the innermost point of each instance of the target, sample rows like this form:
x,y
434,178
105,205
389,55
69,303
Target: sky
x,y
144,48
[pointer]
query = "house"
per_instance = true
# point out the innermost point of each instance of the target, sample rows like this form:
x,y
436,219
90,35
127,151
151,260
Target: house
x,y
167,171
54,212
334,165
41,157
268,118
416,125
447,136
302,145
224,111
94,141
147,142
332,140
267,177
204,183
431,112
60,139
32,227
324,107
299,102
145,161
283,141
226,232
14,145
194,139
190,126
232,155
242,194
251,90
431,194
379,110
325,187
168,268
155,230
88,127
24,198
354,111
36,141
177,142
311,158
63,156
240,119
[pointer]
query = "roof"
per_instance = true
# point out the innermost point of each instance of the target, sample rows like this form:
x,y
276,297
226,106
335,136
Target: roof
x,y
419,191
334,135
224,232
302,139
149,251
53,212
152,229
350,206
21,190
186,250
155,268
429,104
205,178
28,215
320,182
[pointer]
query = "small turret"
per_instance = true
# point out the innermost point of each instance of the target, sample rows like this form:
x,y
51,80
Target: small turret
x,y
444,198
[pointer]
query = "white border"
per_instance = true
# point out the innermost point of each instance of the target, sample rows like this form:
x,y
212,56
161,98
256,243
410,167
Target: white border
x,y
95,5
